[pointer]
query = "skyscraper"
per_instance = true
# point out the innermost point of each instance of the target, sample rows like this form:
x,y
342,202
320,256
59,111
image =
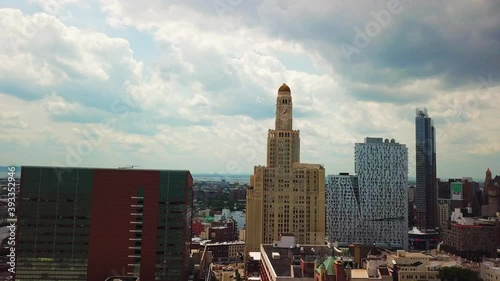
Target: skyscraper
x,y
379,199
285,196
89,224
426,187
343,210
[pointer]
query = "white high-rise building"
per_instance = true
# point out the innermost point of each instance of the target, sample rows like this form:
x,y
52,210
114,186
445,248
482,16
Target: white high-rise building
x,y
371,208
382,168
343,215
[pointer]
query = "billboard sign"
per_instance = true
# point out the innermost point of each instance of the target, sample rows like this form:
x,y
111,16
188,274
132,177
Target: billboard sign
x,y
456,191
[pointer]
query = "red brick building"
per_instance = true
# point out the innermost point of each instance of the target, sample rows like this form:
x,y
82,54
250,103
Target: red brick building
x,y
223,231
89,224
472,239
198,227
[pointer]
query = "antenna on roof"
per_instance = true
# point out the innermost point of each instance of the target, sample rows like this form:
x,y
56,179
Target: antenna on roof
x,y
128,167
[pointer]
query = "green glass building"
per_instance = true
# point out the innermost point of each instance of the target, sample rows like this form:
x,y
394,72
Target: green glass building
x,y
89,224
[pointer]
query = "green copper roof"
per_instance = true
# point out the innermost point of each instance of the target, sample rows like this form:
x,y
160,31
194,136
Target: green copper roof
x,y
319,268
330,261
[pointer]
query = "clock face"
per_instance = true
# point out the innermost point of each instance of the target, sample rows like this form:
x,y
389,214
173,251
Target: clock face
x,y
284,111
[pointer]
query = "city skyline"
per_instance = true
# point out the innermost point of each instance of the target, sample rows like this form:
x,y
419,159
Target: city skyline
x,y
191,84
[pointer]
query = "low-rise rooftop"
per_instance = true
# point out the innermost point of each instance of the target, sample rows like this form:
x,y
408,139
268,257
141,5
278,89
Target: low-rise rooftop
x,y
359,274
286,263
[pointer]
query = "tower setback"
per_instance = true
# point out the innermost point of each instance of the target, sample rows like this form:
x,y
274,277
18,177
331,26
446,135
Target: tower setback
x,y
285,196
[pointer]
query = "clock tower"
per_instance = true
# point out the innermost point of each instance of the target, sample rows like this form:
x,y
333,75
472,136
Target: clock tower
x,y
284,108
283,143
285,196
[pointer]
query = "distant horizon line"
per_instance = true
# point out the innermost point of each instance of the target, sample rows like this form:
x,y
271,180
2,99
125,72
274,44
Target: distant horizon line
x,y
215,174
235,175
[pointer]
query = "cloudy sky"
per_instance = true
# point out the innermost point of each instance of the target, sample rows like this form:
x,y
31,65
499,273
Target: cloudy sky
x,y
191,84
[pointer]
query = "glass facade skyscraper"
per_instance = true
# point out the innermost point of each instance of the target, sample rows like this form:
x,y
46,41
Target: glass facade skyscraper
x,y
426,185
89,224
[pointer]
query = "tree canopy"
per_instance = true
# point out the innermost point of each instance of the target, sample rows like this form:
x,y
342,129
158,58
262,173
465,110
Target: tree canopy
x,y
238,276
457,274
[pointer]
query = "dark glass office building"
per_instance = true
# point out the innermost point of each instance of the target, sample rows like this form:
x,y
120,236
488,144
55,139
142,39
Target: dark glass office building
x,y
90,224
426,185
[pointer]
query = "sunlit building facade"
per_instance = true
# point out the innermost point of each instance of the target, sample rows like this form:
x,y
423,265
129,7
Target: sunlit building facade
x,y
285,196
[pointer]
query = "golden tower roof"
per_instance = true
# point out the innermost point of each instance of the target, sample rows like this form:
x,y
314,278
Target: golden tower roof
x,y
284,88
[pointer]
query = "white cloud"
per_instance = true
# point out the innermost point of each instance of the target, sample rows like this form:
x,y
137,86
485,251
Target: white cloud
x,y
54,6
42,53
12,120
56,105
207,100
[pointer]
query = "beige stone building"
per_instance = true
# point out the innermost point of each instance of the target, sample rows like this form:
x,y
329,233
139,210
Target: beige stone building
x,y
241,234
419,266
490,270
285,196
444,214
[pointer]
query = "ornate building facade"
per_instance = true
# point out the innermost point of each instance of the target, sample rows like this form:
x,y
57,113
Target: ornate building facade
x,y
285,196
492,190
343,213
382,169
371,208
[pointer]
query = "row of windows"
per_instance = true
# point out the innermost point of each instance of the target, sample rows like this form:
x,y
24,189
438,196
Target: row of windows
x,y
419,277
